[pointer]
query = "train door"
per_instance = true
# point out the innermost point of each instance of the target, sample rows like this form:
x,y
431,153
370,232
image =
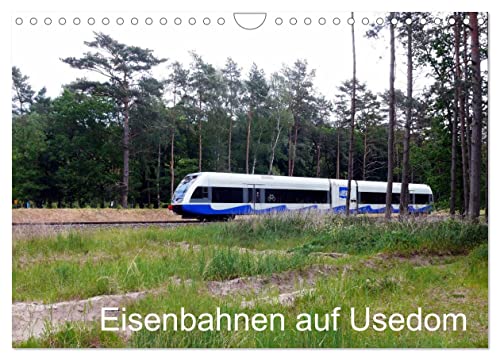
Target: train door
x,y
256,196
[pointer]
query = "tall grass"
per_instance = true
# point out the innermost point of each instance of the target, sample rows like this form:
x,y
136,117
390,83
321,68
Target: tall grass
x,y
84,264
398,287
76,278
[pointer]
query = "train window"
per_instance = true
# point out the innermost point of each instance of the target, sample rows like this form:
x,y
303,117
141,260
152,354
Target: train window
x,y
422,198
296,196
227,195
376,198
200,193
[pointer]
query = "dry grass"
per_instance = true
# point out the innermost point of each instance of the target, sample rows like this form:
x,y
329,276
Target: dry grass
x,y
81,215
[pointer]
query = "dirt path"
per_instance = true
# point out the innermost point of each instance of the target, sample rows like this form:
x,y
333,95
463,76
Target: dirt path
x,y
30,319
81,215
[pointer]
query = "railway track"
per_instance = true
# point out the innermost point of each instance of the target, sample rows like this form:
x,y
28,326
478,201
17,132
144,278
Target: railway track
x,y
106,223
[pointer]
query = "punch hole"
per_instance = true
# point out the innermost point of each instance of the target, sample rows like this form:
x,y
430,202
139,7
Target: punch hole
x,y
336,21
148,21
307,21
451,20
437,21
19,21
221,21
206,21
278,21
365,21
408,21
120,21
177,21
465,21
394,21
192,21
322,21
293,21
33,21
163,21
47,21
91,21
350,21
252,20
134,21
423,21
77,21
62,21
105,21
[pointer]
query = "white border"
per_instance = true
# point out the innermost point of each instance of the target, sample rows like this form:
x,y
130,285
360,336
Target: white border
x,y
209,6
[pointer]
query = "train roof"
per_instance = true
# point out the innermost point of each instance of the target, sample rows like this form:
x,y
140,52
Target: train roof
x,y
294,181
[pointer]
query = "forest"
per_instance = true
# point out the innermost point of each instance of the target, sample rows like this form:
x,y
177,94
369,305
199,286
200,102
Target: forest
x,y
127,140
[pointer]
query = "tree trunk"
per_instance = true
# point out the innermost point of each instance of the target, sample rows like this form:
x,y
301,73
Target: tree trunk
x,y
158,176
172,168
351,130
405,193
390,136
318,159
453,169
254,162
249,129
200,145
289,151
338,153
273,147
461,99
365,152
475,171
465,91
126,153
229,139
294,147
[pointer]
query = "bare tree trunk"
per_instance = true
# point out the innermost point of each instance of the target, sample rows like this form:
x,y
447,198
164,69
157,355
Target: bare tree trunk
x,y
200,145
172,169
294,148
475,171
453,169
365,152
486,182
466,103
254,162
126,153
318,159
158,176
351,130
390,136
405,194
338,153
463,137
273,147
229,139
461,99
289,151
249,129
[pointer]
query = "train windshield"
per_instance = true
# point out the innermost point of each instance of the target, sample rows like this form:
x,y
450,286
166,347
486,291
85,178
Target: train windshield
x,y
183,187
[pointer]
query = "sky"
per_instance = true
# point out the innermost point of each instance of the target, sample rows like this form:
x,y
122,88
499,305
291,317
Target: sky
x,y
37,49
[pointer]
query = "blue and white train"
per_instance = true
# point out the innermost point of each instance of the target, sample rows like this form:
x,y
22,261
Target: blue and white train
x,y
212,195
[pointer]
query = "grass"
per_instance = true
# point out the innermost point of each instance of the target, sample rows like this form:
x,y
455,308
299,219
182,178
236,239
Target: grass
x,y
391,287
78,265
80,278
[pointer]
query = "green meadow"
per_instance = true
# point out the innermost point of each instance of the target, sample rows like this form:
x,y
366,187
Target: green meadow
x,y
319,261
